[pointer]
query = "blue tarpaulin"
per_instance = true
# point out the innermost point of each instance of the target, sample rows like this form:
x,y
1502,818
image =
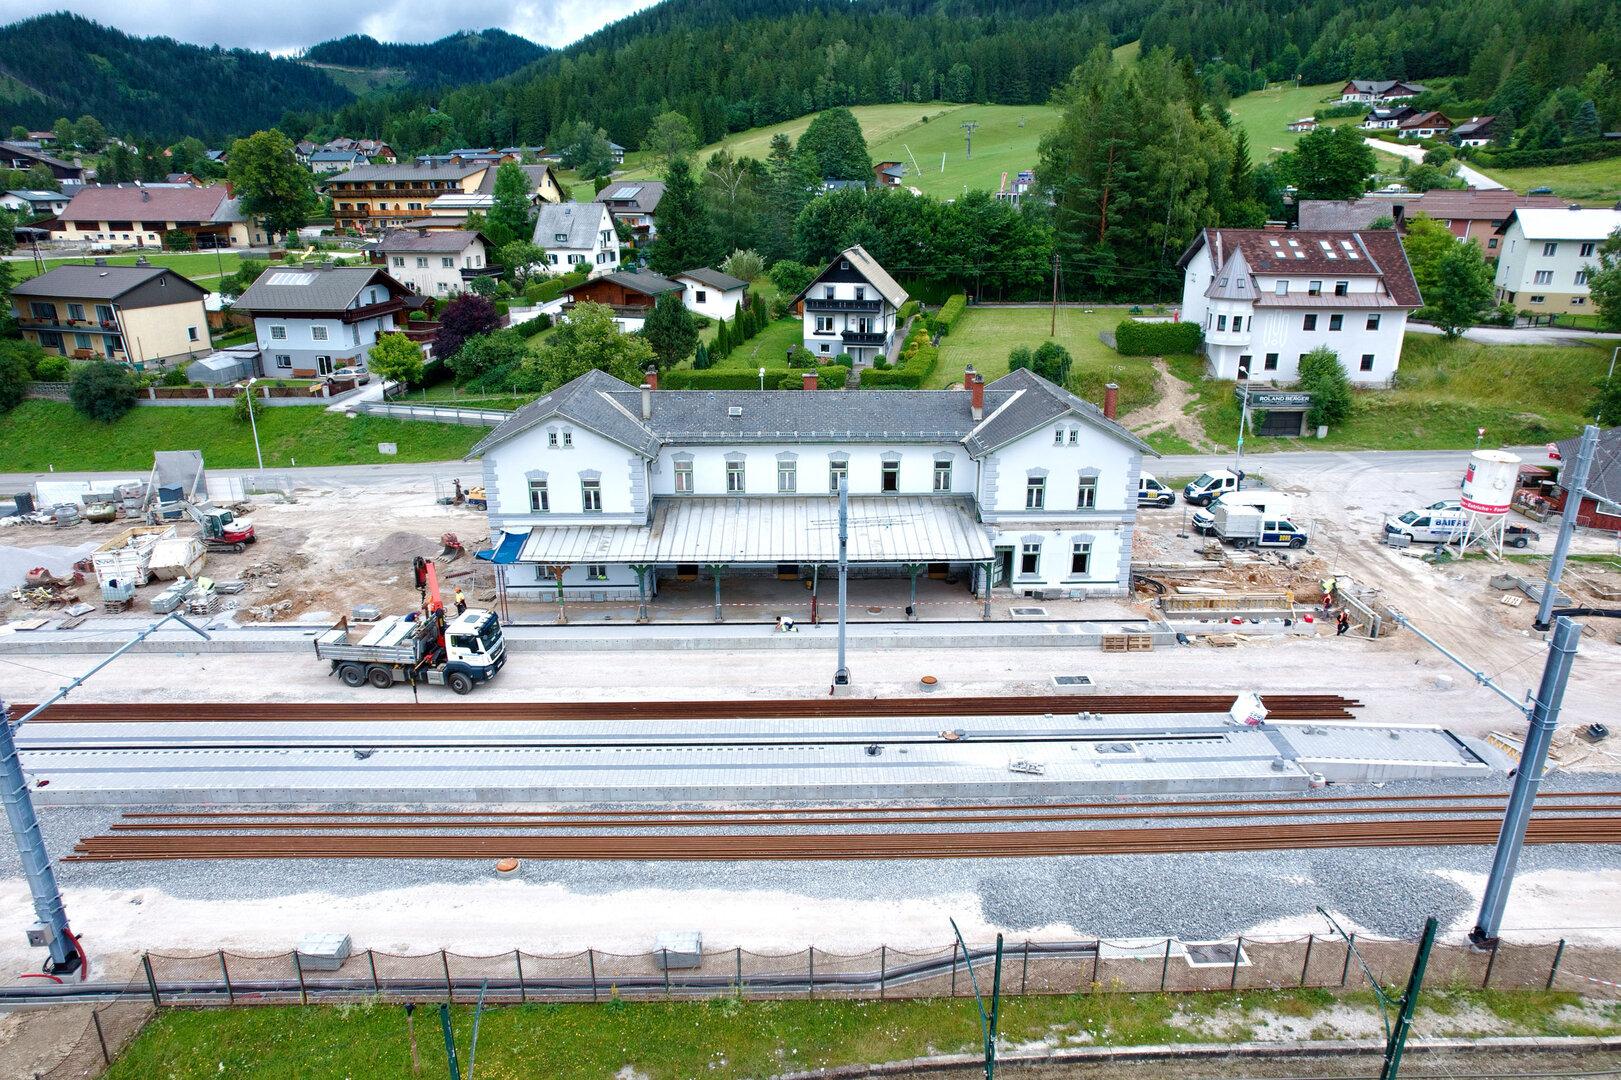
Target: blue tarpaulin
x,y
506,551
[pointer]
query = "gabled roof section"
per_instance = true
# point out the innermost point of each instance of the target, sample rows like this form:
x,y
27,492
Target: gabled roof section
x,y
577,224
714,279
180,202
371,174
1573,224
441,241
868,268
587,401
1040,403
103,282
304,288
1318,253
637,196
1232,281
644,281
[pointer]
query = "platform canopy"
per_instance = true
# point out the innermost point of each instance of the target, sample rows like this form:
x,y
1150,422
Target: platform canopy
x,y
787,529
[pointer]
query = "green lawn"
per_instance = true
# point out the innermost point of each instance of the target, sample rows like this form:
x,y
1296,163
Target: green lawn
x,y
1265,115
191,264
1592,181
917,135
768,348
725,1038
1521,394
985,336
41,434
1125,54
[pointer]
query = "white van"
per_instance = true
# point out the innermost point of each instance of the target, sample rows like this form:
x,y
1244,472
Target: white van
x,y
1273,503
1150,492
1210,486
1429,525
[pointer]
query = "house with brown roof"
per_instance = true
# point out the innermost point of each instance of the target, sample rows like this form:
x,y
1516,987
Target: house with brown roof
x,y
19,155
1425,125
631,295
139,215
374,198
1379,90
127,314
1471,213
1265,298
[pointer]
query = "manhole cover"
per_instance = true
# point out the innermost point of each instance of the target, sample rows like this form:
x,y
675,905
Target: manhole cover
x,y
1028,612
1072,680
874,610
1214,955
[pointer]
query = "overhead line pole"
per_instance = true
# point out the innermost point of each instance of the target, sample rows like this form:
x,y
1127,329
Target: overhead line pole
x,y
841,676
1567,523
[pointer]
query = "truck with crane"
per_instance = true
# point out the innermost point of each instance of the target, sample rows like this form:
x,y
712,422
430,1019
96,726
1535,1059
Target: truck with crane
x,y
426,646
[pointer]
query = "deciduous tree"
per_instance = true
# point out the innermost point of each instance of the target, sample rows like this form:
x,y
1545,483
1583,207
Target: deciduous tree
x,y
671,136
588,339
1462,291
1323,377
834,141
271,184
396,358
1330,163
511,215
465,317
103,391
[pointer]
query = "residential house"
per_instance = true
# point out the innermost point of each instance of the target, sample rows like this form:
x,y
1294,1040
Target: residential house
x,y
303,148
309,321
618,153
1388,119
850,307
1023,182
633,204
1476,131
377,150
711,293
1265,299
1424,125
1305,123
137,315
631,294
1018,487
1600,506
889,173
436,262
831,184
34,205
377,197
182,179
322,162
17,155
218,157
1471,213
1379,90
577,234
140,215
1546,256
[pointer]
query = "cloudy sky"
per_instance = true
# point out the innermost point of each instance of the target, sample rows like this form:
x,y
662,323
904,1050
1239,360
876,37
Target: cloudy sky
x,y
285,26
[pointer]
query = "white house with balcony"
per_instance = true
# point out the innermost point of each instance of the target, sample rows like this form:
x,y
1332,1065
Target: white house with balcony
x,y
436,262
577,234
851,307
1546,256
1266,298
605,490
309,321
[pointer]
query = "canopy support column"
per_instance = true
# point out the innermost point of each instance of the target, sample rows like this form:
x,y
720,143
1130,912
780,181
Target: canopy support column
x,y
912,571
816,573
716,570
641,570
986,569
556,571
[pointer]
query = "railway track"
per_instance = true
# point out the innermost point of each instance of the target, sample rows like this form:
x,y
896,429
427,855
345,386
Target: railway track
x,y
1425,832
1280,707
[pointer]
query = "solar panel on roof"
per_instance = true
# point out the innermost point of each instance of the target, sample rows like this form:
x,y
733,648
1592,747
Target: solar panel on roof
x,y
628,193
286,278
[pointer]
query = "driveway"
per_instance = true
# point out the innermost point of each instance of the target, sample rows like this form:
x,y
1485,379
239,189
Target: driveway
x,y
1525,335
1416,154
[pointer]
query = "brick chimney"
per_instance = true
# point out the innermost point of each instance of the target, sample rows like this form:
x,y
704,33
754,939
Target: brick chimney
x,y
1111,399
975,382
651,378
808,381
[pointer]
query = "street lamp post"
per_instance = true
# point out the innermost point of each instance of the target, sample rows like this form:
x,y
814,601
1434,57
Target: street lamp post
x,y
762,378
253,422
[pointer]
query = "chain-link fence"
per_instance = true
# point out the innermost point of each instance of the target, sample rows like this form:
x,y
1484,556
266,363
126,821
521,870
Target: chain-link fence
x,y
1029,967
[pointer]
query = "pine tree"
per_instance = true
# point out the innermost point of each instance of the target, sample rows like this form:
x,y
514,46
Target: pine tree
x,y
700,357
682,224
670,330
723,341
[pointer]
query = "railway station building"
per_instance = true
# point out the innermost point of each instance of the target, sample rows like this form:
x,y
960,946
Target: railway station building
x,y
603,491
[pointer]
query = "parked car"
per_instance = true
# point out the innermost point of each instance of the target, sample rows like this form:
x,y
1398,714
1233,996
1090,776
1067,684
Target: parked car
x,y
359,374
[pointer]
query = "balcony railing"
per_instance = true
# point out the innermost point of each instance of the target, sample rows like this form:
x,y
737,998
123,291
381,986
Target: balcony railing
x,y
471,272
816,303
68,326
371,311
860,337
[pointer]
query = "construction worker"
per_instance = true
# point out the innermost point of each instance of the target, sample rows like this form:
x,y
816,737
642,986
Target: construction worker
x,y
461,600
1342,623
1328,593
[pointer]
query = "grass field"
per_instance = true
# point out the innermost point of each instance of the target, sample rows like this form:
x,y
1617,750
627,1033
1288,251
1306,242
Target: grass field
x,y
985,335
1521,395
726,1038
1006,140
39,434
768,348
1591,181
1265,114
196,265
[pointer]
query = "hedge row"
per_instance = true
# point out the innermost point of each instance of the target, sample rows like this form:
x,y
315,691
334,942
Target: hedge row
x,y
1134,338
553,287
918,360
828,377
952,310
907,310
1569,154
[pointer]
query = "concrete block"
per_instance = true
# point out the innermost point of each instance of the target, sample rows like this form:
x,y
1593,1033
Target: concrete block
x,y
323,952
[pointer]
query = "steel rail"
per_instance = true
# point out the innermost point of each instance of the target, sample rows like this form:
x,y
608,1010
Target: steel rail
x,y
843,846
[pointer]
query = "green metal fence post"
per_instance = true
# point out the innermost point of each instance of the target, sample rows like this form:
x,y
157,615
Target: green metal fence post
x,y
371,959
1491,962
1311,939
1409,1004
883,964
523,994
1350,948
450,988
1165,966
810,985
151,980
1238,954
225,973
953,969
1024,975
591,958
1558,955
666,966
298,966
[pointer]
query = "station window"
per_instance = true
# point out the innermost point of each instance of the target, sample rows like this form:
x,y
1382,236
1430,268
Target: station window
x,y
1030,559
1086,496
1336,322
1035,493
837,471
1373,322
735,482
1309,322
787,477
1367,361
891,480
942,476
591,496
596,571
540,500
683,477
1080,558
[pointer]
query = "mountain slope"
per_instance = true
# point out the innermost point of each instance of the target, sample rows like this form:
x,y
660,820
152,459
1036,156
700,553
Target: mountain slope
x,y
66,65
469,57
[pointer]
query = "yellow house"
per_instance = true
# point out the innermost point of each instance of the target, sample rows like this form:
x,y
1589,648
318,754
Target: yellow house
x,y
137,315
140,216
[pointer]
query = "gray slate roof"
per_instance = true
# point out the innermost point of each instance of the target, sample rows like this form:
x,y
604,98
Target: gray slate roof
x,y
99,282
1344,213
407,171
714,279
645,200
1604,478
305,288
440,241
1015,405
579,223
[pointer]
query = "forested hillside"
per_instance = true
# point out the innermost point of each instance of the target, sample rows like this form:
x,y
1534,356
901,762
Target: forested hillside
x,y
472,56
64,65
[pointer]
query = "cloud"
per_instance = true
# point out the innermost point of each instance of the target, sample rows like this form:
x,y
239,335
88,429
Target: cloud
x,y
286,26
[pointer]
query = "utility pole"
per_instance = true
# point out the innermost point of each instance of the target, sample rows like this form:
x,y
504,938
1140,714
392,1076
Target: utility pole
x,y
1409,1004
1567,523
1052,331
1243,419
1521,801
968,127
841,676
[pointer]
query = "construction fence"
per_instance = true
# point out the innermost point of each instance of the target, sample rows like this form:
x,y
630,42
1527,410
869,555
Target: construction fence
x,y
1087,966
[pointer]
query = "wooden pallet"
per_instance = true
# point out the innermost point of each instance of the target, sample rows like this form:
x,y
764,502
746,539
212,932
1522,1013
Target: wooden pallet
x,y
1128,642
